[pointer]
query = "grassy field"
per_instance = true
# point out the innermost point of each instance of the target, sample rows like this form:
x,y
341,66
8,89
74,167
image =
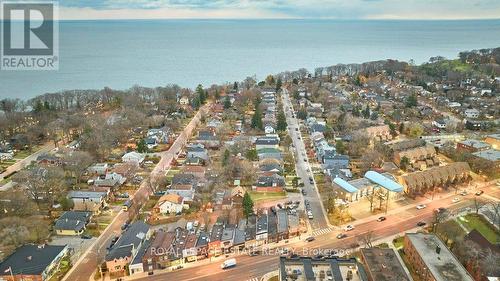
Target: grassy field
x,y
477,222
260,196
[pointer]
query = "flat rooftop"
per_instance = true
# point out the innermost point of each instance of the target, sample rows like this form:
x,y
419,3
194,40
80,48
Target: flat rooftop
x,y
443,266
311,269
383,265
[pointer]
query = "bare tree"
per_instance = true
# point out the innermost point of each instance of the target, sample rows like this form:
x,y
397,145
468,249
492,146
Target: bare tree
x,y
367,239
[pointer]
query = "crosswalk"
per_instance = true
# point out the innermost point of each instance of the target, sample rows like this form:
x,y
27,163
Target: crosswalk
x,y
322,231
254,279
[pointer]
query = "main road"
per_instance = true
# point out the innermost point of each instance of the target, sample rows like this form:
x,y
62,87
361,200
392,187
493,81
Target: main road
x,y
86,265
302,166
252,268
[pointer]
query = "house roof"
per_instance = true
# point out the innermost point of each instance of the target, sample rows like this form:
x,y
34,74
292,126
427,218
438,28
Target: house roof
x,y
30,259
130,239
73,220
345,185
384,181
490,155
86,194
172,198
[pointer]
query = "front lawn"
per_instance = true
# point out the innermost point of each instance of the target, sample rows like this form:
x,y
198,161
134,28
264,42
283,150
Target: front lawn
x,y
479,223
260,196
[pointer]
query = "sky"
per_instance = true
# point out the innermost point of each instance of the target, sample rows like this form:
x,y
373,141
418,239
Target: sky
x,y
266,9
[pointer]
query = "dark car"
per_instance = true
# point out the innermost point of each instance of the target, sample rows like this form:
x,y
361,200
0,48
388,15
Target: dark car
x,y
381,219
341,235
304,192
421,223
310,239
86,236
479,192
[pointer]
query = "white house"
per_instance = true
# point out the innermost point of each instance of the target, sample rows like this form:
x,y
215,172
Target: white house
x,y
268,129
184,100
133,157
170,204
471,113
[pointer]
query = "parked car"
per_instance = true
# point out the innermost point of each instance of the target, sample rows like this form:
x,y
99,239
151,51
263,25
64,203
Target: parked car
x,y
455,200
310,239
421,206
463,193
304,192
86,236
421,223
381,219
479,192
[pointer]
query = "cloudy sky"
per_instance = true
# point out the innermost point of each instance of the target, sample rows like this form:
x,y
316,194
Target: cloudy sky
x,y
335,9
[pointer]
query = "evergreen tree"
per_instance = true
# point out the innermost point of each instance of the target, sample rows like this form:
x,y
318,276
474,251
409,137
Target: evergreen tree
x,y
278,84
340,147
247,205
257,120
225,158
281,124
141,146
366,112
411,101
235,86
227,103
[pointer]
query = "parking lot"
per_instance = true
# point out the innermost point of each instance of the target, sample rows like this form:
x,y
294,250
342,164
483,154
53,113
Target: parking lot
x,y
76,244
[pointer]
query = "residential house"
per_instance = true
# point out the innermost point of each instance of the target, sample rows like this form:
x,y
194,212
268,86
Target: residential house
x,y
471,113
72,222
170,204
207,138
133,157
197,150
48,159
87,200
269,153
202,245
159,253
110,180
197,171
249,225
227,238
98,169
378,133
472,145
190,252
493,140
267,142
490,155
273,183
184,100
33,262
419,158
439,123
124,250
333,160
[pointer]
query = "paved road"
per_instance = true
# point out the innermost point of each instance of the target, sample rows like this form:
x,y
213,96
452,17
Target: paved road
x,y
85,267
303,168
252,268
25,162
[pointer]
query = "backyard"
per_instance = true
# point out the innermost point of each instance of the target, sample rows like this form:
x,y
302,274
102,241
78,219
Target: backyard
x,y
479,223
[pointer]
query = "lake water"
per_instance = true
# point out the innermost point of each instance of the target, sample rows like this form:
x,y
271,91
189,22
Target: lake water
x,y
120,54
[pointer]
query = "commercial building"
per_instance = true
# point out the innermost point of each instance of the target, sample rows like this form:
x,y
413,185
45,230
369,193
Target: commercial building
x,y
357,189
312,269
431,260
383,265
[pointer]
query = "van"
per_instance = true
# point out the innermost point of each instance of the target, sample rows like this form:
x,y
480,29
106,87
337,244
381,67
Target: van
x,y
228,264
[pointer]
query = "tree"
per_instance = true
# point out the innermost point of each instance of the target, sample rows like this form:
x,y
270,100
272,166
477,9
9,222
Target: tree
x,y
281,124
302,114
257,119
142,147
404,163
368,239
235,86
278,84
340,147
415,130
227,103
247,205
366,112
226,157
411,101
76,163
270,80
252,155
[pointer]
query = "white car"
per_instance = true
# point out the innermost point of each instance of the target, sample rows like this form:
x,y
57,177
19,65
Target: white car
x,y
455,200
421,206
349,227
